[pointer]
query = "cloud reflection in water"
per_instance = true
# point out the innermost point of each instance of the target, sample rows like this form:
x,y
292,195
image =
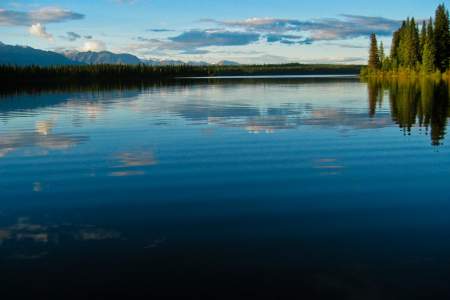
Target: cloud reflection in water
x,y
42,137
27,240
130,163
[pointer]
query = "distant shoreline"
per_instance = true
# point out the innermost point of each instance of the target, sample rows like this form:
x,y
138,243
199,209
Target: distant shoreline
x,y
274,76
134,73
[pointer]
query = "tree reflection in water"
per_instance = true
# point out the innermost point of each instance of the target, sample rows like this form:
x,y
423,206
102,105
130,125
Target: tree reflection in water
x,y
422,103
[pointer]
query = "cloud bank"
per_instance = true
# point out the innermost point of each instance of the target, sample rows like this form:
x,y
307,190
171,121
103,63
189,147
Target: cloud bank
x,y
43,15
347,27
269,31
200,38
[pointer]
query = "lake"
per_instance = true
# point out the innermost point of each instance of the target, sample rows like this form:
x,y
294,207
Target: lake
x,y
312,188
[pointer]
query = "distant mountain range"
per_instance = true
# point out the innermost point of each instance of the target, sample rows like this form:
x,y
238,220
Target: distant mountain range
x,y
104,57
22,56
227,63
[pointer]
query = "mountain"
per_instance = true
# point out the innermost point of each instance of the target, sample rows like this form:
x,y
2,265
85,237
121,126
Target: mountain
x,y
150,62
169,62
23,56
198,63
103,57
227,63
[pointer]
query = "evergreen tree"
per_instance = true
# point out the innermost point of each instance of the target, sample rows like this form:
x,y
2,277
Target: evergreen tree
x,y
381,55
442,38
429,51
415,44
374,59
428,55
425,47
409,48
423,37
430,30
404,44
395,48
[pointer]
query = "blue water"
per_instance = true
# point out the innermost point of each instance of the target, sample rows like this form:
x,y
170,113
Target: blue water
x,y
314,188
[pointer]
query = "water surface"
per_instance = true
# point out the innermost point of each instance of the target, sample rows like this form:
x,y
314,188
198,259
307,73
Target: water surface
x,y
322,188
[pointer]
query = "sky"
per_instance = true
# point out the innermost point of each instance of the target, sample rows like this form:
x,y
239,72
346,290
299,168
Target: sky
x,y
246,31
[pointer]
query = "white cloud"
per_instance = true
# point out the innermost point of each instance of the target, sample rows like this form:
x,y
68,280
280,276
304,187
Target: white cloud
x,y
94,46
40,31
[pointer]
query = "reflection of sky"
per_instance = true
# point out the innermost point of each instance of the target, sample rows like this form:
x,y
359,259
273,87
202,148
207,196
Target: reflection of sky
x,y
329,177
41,138
87,141
130,163
264,108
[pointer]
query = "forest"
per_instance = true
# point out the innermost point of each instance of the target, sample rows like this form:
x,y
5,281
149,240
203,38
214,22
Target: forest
x,y
418,48
120,73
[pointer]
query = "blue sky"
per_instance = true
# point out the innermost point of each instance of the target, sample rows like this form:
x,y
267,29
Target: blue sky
x,y
248,31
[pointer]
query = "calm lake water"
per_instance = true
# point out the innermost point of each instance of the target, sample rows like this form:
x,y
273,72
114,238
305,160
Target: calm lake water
x,y
311,188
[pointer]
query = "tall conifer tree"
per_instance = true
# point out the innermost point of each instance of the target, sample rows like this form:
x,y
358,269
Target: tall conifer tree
x,y
381,55
429,51
415,44
442,38
395,48
374,59
423,37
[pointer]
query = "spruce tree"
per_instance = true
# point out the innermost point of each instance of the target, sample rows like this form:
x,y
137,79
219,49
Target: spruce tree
x,y
428,57
395,48
423,37
404,45
430,30
409,44
429,51
442,38
415,44
374,59
381,55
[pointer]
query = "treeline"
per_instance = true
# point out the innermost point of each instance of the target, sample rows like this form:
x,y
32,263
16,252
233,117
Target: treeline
x,y
416,48
115,73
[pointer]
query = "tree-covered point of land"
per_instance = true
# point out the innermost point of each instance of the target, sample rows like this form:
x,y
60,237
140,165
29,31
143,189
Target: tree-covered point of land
x,y
416,48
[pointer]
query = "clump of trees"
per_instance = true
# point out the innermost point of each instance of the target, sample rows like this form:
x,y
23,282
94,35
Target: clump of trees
x,y
415,47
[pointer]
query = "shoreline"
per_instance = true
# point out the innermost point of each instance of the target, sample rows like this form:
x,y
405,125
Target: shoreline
x,y
406,74
135,73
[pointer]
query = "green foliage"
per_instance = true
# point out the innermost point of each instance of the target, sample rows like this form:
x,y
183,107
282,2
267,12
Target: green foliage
x,y
409,44
428,57
426,49
442,38
374,58
423,36
381,52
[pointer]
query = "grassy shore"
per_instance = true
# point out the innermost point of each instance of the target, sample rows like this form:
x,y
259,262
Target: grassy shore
x,y
403,74
116,73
